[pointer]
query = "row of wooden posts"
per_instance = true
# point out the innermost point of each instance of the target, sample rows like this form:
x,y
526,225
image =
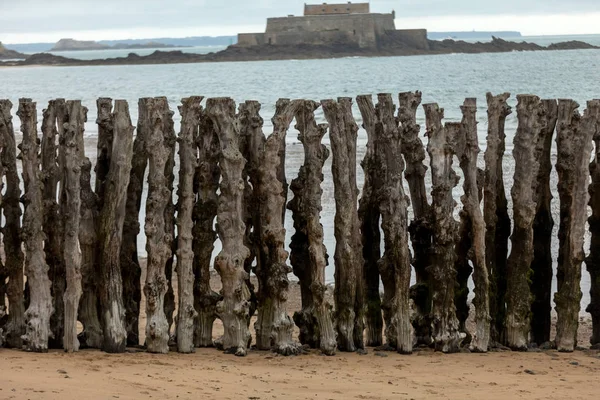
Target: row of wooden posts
x,y
77,246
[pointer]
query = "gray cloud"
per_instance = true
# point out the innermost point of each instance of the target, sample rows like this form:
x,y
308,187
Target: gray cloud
x,y
20,16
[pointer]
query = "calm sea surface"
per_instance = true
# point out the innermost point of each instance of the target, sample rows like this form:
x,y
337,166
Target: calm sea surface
x,y
445,79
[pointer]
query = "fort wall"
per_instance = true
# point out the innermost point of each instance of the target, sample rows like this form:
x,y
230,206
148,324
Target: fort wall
x,y
325,9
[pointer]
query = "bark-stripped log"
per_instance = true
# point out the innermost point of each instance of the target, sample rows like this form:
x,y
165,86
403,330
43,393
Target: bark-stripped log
x,y
368,213
349,287
11,210
574,141
445,327
3,269
190,111
495,213
394,266
40,309
467,152
104,146
156,227
52,127
234,308
206,184
420,227
593,260
130,265
309,255
110,232
530,113
541,280
70,206
274,327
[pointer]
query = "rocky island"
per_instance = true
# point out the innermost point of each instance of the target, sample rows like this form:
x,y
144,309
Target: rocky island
x,y
324,31
6,54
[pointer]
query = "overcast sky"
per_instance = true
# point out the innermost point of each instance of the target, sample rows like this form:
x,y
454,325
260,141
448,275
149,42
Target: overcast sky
x,y
23,21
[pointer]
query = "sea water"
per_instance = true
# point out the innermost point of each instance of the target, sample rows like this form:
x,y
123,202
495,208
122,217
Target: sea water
x,y
445,79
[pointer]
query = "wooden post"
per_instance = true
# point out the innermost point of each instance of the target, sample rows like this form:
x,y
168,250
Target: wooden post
x,y
111,232
274,327
76,116
445,327
541,281
349,287
52,127
40,309
206,184
593,260
104,146
574,142
518,294
420,227
190,119
309,255
234,308
467,150
495,213
369,216
11,210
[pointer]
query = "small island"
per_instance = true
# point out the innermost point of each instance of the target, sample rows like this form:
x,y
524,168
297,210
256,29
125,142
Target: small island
x,y
80,45
6,54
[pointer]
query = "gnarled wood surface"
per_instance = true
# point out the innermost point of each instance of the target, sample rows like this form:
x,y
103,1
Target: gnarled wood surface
x,y
593,261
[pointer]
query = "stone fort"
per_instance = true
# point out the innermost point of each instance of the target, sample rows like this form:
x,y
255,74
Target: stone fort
x,y
326,24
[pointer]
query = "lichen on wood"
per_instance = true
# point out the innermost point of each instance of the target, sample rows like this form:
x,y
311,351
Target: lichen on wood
x,y
495,213
308,253
445,327
574,142
40,308
349,287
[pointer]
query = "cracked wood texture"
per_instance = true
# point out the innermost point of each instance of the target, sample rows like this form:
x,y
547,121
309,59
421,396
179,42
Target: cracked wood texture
x,y
274,327
229,263
530,114
53,225
110,232
593,260
467,150
574,140
349,286
40,308
190,111
369,217
420,227
11,211
445,327
309,255
156,226
541,280
206,185
75,118
495,213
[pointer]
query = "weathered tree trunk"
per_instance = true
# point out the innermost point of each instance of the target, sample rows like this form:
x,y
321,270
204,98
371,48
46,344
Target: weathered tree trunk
x,y
445,327
40,309
394,266
463,269
541,281
495,213
206,184
11,210
369,216
76,116
130,265
274,327
157,230
518,293
104,146
468,151
110,232
3,269
309,255
574,143
420,228
234,308
349,286
593,260
52,127
190,111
